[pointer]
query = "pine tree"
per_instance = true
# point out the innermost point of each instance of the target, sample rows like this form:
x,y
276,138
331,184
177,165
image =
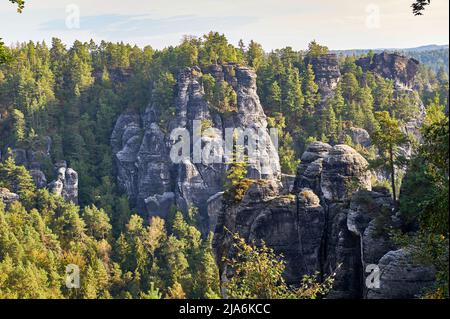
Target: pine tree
x,y
255,55
310,90
388,138
274,98
97,222
19,125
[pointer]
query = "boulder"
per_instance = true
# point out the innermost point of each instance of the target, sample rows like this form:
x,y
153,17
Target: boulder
x,y
344,172
401,277
310,169
8,197
359,136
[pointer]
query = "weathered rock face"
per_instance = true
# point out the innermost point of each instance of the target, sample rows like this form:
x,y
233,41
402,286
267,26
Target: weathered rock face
x,y
393,66
145,170
125,144
401,277
66,183
327,219
310,227
369,217
214,208
39,178
327,73
309,171
8,197
359,136
311,230
332,223
344,171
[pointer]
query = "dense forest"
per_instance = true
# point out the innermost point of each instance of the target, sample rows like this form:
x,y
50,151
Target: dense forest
x,y
61,104
435,57
72,97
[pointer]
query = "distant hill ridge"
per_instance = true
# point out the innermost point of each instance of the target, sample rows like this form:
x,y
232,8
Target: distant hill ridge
x,y
433,55
423,48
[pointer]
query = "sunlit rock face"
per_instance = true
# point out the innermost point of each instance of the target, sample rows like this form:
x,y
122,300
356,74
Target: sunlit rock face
x,y
327,74
66,183
141,146
325,220
393,66
7,197
331,223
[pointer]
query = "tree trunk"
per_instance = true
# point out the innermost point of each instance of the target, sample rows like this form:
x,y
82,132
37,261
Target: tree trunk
x,y
391,160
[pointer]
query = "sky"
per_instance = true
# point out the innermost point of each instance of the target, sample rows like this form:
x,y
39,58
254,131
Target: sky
x,y
343,24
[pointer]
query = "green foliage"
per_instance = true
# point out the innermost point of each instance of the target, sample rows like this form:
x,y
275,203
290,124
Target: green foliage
x,y
214,49
255,55
419,6
18,180
74,96
316,50
310,89
4,54
237,183
258,274
286,152
388,137
163,96
424,198
219,94
19,125
97,222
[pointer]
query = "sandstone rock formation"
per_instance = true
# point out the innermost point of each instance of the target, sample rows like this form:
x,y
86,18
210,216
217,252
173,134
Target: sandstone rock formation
x,y
141,148
393,66
8,197
333,222
327,74
66,183
38,177
344,172
309,171
401,277
359,136
326,219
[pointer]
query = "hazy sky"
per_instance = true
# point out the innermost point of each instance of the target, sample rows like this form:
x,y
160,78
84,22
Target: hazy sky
x,y
343,24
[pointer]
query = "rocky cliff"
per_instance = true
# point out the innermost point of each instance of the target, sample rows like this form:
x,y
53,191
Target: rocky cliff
x,y
400,69
327,74
66,181
333,222
142,146
329,220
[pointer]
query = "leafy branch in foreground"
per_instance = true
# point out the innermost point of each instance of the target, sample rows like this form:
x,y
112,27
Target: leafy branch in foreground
x,y
419,6
4,54
258,274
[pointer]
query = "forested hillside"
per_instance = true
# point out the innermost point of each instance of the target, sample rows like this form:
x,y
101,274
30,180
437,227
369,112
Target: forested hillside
x,y
60,103
433,56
